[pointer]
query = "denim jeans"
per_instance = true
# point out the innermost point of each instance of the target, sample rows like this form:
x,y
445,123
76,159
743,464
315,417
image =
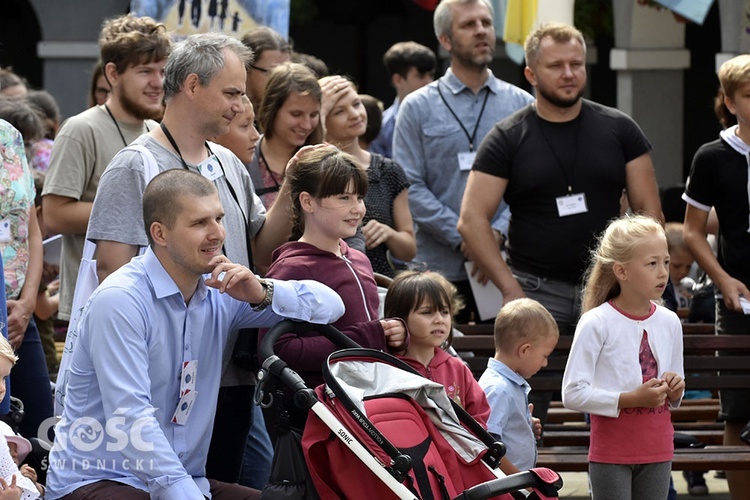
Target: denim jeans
x,y
561,298
258,455
30,382
563,301
231,424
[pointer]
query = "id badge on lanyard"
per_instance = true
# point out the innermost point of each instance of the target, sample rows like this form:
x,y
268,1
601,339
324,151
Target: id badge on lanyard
x,y
574,203
466,160
210,168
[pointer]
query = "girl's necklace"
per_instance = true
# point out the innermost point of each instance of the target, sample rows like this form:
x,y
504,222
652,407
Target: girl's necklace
x,y
277,180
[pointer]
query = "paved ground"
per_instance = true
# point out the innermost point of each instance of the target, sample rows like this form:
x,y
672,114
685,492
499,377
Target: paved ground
x,y
576,487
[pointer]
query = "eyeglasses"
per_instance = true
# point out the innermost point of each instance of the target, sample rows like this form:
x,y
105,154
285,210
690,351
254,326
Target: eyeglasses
x,y
262,70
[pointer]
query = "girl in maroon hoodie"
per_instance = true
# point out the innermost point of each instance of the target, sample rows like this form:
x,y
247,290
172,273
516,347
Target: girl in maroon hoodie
x,y
328,189
427,302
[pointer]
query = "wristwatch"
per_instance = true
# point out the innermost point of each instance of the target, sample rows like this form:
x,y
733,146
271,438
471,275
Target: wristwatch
x,y
268,286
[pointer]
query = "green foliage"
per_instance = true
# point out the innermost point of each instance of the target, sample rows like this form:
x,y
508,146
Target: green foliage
x,y
594,18
302,12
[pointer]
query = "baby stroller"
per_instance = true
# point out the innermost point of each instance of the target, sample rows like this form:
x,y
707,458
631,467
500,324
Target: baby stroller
x,y
377,429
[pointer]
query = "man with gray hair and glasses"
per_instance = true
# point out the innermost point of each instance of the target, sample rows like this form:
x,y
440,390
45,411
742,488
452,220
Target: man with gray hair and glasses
x,y
204,81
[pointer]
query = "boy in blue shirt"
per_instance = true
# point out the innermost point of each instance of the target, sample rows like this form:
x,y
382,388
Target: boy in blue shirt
x,y
525,336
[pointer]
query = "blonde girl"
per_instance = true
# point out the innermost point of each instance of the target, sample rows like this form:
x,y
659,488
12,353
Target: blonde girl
x,y
426,301
625,365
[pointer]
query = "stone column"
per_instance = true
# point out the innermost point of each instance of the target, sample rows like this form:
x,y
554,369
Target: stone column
x,y
735,39
649,57
69,46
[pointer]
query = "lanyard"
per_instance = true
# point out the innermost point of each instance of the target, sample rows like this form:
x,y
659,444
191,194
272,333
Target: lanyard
x,y
473,136
119,131
174,145
568,176
226,180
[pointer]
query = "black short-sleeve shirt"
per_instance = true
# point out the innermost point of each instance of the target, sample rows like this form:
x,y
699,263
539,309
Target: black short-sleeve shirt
x,y
386,180
719,178
540,164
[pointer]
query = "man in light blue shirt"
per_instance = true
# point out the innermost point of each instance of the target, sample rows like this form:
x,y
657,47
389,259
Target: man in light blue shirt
x,y
439,128
144,378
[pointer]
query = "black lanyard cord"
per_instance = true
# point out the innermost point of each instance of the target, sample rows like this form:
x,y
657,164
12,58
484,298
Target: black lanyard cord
x,y
569,176
473,136
270,189
117,125
174,145
232,192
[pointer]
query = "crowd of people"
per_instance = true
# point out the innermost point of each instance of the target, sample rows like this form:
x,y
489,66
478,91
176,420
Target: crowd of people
x,y
228,184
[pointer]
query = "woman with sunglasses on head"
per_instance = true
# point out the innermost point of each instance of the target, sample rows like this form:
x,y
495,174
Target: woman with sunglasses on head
x,y
270,49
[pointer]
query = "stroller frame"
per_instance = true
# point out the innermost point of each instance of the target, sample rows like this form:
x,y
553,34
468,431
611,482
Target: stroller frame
x,y
393,473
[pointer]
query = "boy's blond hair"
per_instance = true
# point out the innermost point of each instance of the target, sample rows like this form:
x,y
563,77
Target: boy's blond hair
x,y
6,351
675,239
522,320
733,74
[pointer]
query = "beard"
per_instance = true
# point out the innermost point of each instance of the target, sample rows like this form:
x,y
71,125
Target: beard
x,y
140,112
560,102
465,56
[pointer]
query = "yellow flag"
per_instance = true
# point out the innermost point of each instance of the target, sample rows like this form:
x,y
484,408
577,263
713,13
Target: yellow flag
x,y
519,20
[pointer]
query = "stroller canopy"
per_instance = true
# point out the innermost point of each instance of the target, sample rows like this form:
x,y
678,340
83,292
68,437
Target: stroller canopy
x,y
363,379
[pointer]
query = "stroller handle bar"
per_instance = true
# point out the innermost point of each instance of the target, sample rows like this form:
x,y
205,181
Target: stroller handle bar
x,y
289,326
514,482
304,397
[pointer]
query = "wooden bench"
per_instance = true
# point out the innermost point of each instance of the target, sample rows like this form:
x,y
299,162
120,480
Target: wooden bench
x,y
566,434
695,418
575,459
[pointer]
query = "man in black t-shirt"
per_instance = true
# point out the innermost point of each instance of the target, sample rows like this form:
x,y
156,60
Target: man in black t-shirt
x,y
561,164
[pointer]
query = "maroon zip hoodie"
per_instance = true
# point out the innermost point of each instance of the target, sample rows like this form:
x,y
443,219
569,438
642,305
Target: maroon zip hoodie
x,y
352,278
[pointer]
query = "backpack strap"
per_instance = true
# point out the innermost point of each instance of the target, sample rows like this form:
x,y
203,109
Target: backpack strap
x,y
150,168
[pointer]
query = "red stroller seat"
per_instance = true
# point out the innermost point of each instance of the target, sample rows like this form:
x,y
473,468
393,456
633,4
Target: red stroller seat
x,y
377,429
434,465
